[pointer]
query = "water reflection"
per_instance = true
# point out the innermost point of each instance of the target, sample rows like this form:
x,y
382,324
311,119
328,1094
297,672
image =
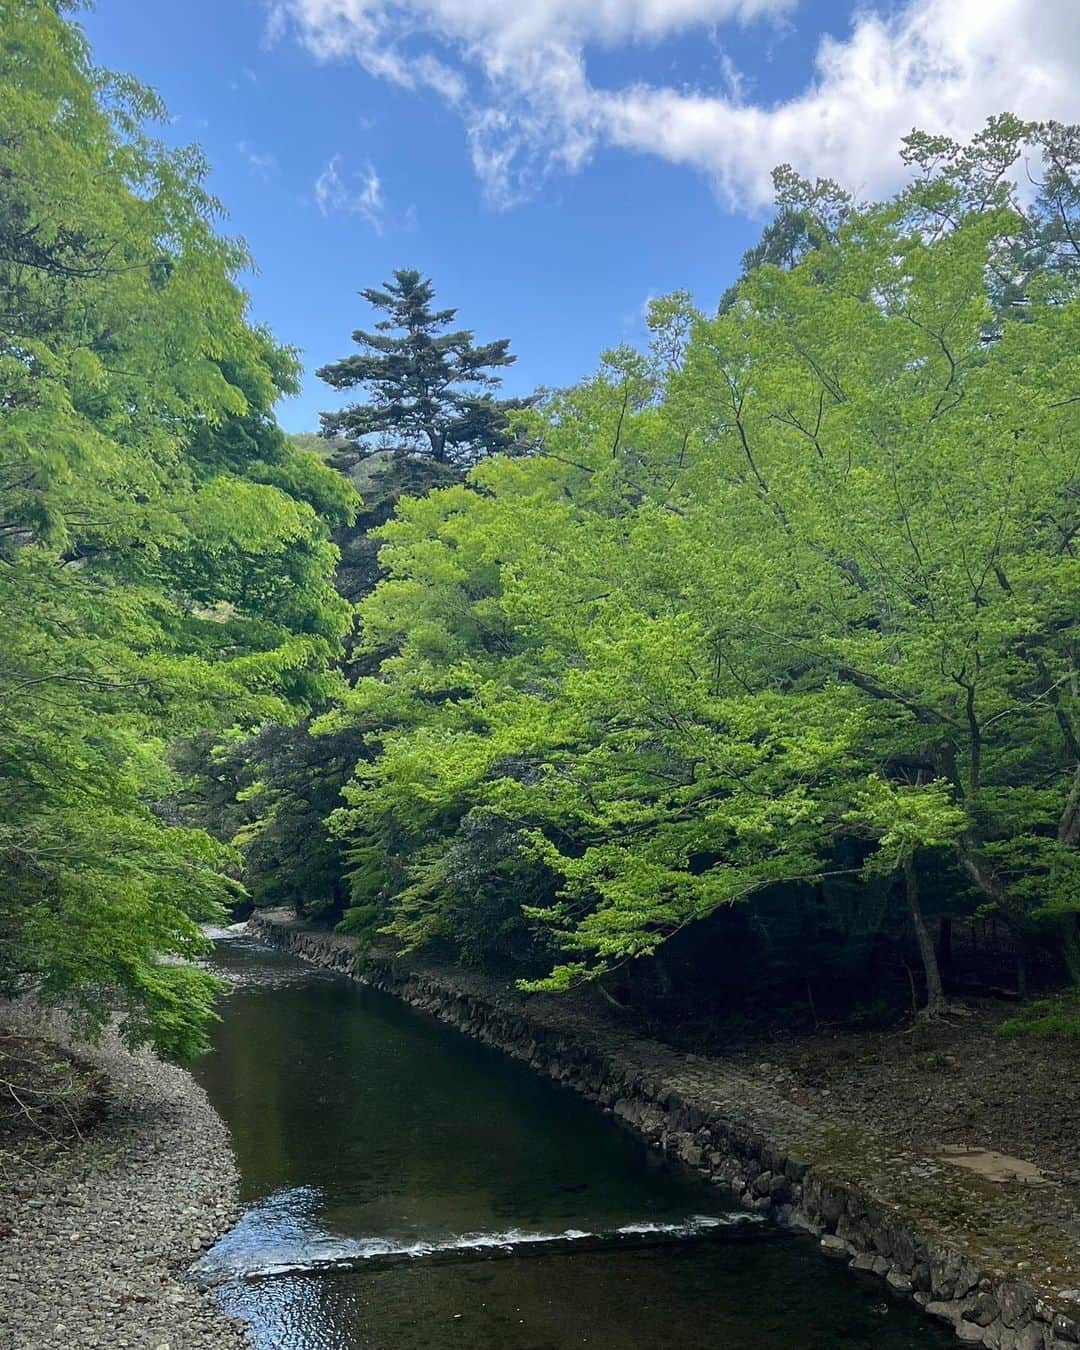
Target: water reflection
x,y
372,1135
726,1297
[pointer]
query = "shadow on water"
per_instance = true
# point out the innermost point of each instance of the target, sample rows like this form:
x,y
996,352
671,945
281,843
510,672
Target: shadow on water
x,y
387,1161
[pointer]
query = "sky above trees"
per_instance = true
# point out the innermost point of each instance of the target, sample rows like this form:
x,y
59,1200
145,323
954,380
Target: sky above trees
x,y
558,162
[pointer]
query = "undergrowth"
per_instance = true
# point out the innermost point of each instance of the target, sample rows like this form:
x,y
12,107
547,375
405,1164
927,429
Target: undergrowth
x,y
1057,1017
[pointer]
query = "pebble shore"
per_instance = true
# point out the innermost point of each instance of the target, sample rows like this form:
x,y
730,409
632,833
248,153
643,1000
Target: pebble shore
x,y
94,1247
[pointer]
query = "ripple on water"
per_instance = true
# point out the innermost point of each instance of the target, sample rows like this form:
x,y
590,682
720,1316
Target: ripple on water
x,y
281,1236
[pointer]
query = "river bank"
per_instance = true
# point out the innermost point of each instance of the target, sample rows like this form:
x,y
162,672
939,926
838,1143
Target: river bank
x,y
998,1260
98,1223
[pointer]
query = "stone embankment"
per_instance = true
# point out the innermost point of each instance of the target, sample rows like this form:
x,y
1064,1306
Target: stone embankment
x,y
95,1237
935,1232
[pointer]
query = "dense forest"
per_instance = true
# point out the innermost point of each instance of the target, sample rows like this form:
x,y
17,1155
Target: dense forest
x,y
732,677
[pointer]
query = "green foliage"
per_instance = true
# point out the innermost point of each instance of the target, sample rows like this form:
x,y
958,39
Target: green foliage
x,y
270,792
791,598
781,613
165,553
359,920
1057,1018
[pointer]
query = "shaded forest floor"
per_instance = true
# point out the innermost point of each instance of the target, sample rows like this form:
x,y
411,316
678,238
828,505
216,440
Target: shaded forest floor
x,y
954,1082
932,1087
49,1098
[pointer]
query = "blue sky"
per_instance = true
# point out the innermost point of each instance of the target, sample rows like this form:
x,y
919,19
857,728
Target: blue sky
x,y
553,163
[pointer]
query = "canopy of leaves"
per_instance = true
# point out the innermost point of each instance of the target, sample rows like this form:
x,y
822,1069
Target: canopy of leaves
x,y
165,552
794,596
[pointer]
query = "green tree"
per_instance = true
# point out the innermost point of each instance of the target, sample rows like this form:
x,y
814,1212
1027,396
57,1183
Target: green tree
x,y
429,389
795,604
808,216
431,400
165,553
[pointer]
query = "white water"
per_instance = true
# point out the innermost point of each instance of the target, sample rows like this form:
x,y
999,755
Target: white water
x,y
314,1252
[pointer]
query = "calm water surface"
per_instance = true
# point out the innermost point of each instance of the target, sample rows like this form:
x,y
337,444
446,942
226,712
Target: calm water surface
x,y
408,1189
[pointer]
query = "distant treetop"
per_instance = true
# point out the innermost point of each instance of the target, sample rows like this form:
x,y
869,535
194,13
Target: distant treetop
x,y
429,387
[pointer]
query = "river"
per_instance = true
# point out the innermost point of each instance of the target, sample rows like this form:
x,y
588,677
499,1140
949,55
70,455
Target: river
x,y
409,1189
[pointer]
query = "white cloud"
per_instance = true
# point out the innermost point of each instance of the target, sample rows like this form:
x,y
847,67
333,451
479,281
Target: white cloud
x,y
514,69
356,192
261,163
247,75
516,73
941,65
369,200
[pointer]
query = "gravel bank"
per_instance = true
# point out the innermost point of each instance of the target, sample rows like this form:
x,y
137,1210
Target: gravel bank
x,y
95,1237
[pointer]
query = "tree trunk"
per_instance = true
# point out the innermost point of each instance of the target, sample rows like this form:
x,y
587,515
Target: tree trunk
x,y
663,978
944,946
1069,824
935,995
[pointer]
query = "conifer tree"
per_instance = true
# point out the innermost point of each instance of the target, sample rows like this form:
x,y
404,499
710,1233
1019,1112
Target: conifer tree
x,y
430,388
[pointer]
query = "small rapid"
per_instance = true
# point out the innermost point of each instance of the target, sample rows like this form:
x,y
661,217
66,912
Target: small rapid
x,y
327,1255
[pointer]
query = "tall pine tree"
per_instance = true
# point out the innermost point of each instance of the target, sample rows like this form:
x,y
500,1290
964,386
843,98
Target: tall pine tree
x,y
430,388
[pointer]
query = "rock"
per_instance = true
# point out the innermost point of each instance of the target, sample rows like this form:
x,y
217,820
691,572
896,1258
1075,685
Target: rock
x,y
944,1271
983,1310
1017,1303
1031,1337
896,1279
835,1247
947,1312
803,1224
969,1333
832,1206
1065,1329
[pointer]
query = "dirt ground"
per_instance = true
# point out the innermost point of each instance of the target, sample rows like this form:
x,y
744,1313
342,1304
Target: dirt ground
x,y
940,1083
48,1097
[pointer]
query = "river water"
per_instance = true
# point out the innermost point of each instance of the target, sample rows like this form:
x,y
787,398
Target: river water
x,y
409,1189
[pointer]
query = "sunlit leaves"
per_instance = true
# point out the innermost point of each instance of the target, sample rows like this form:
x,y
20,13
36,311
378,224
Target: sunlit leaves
x,y
794,596
165,556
